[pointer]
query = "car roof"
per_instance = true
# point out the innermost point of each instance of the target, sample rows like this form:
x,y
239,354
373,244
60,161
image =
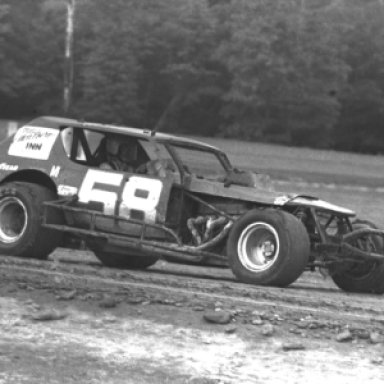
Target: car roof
x,y
59,122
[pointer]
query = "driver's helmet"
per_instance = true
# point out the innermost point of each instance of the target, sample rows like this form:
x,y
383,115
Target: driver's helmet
x,y
127,151
112,145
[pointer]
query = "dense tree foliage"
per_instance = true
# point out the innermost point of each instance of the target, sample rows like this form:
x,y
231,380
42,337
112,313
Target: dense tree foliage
x,y
303,72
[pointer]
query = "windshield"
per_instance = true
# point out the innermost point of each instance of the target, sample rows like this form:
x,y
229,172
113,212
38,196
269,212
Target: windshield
x,y
200,162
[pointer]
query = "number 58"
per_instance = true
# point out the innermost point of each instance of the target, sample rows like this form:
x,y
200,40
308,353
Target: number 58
x,y
138,193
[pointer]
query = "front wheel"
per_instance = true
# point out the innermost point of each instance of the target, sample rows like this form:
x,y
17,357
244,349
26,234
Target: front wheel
x,y
21,231
268,247
363,277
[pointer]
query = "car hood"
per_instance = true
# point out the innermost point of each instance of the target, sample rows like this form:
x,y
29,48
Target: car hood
x,y
262,195
233,191
313,202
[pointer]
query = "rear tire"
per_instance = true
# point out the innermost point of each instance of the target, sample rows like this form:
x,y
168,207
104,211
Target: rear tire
x,y
365,277
21,231
123,261
268,247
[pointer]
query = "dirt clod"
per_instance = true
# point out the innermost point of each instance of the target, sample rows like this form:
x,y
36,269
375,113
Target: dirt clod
x,y
49,315
376,338
67,295
230,329
218,317
134,300
344,336
258,314
378,360
110,320
108,302
257,321
168,302
362,334
267,330
88,297
302,325
292,346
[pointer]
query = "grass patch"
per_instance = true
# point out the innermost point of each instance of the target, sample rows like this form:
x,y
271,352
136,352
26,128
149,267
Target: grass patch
x,y
304,164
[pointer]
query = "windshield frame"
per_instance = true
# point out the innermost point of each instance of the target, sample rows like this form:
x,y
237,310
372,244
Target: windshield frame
x,y
221,156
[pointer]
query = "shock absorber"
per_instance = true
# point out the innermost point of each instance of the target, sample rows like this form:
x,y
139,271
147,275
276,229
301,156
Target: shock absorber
x,y
342,227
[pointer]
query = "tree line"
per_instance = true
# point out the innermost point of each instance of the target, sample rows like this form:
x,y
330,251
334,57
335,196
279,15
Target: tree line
x,y
299,72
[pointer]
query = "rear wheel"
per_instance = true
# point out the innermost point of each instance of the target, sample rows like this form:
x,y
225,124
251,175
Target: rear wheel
x,y
21,231
363,277
268,247
125,261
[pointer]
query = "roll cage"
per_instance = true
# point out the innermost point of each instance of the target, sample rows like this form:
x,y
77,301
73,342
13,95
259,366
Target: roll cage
x,y
79,142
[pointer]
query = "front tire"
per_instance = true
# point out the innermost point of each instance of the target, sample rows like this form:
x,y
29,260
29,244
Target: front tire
x,y
21,231
367,277
268,247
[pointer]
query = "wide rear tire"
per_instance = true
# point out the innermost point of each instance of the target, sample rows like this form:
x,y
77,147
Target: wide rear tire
x,y
21,231
367,277
268,247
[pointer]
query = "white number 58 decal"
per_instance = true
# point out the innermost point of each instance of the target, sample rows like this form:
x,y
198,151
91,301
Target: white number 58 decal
x,y
138,194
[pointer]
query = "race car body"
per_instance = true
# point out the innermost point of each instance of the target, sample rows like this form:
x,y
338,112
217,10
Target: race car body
x,y
134,196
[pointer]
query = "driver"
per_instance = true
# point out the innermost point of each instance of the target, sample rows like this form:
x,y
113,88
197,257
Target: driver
x,y
121,155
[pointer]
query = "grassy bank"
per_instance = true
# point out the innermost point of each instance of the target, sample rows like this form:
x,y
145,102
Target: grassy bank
x,y
304,164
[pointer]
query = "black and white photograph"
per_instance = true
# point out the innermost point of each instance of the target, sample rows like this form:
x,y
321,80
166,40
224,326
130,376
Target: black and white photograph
x,y
191,191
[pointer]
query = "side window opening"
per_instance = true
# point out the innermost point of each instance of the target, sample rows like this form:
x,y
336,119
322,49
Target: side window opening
x,y
81,145
124,153
103,150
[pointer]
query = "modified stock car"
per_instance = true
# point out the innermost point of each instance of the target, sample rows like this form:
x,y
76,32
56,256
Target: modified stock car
x,y
134,196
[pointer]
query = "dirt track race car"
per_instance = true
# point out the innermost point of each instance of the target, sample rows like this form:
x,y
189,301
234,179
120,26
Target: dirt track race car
x,y
134,196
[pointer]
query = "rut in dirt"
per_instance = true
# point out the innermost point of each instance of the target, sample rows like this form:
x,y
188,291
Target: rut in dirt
x,y
195,285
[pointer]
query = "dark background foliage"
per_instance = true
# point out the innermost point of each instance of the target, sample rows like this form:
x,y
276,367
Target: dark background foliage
x,y
299,72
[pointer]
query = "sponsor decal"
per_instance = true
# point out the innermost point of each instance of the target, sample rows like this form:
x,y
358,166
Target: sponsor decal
x,y
8,167
55,170
66,190
33,142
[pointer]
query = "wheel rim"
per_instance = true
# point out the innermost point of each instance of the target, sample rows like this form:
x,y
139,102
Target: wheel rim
x,y
13,219
258,246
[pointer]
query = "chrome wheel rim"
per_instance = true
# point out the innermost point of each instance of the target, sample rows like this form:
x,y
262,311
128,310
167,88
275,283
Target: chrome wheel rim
x,y
258,247
13,219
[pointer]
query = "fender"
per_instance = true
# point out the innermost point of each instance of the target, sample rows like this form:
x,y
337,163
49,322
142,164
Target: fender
x,y
30,176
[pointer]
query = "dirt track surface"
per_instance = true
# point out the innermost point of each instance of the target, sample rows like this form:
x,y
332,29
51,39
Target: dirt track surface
x,y
66,322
